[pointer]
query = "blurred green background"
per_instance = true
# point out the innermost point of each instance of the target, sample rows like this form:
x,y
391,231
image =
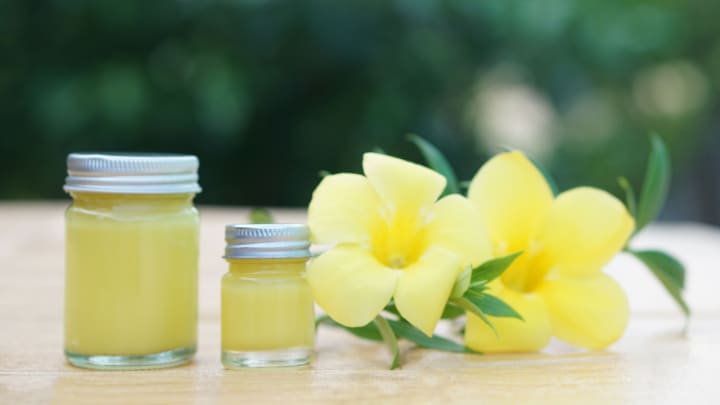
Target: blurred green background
x,y
268,93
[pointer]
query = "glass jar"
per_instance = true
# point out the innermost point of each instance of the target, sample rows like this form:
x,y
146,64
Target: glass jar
x,y
268,317
131,270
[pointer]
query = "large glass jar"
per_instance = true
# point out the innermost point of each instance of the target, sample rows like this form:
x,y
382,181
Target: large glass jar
x,y
131,270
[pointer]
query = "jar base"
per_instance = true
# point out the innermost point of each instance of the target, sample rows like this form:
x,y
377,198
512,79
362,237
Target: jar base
x,y
291,357
168,358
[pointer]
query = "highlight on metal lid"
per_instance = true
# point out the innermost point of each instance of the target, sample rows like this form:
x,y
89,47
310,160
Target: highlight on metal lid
x,y
132,173
267,241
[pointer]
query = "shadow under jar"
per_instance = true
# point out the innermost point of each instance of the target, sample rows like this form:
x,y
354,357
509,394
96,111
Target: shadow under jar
x,y
268,317
131,270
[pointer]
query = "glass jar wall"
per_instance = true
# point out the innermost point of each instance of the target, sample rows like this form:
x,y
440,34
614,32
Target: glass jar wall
x,y
131,276
267,307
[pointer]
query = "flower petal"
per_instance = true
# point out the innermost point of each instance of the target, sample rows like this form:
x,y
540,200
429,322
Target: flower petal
x,y
513,335
584,229
402,185
350,285
591,312
344,208
424,288
456,226
513,197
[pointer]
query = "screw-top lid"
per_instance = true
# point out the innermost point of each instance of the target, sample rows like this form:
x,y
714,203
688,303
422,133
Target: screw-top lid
x,y
267,241
141,173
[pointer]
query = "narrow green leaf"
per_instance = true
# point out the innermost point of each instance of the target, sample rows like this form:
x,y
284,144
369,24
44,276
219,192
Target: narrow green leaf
x,y
493,306
492,269
437,161
452,311
406,331
630,201
321,319
462,283
548,177
656,184
388,336
392,308
261,216
672,268
369,331
471,307
668,270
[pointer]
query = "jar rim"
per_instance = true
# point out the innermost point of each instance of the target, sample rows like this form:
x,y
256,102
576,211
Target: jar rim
x,y
132,173
267,241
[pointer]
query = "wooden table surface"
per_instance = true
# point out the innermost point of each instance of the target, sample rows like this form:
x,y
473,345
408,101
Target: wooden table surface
x,y
655,362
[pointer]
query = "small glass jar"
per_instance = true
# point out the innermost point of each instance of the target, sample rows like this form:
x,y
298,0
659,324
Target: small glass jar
x,y
131,270
268,317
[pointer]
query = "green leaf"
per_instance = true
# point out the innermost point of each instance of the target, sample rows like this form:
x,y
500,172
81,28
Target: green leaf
x,y
671,267
390,307
462,283
261,216
452,311
437,162
668,270
449,312
493,306
369,331
324,173
548,177
491,269
656,184
389,330
388,336
630,201
322,319
471,307
406,331
379,150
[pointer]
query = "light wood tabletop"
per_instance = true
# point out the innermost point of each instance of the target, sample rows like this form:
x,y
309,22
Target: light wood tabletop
x,y
659,360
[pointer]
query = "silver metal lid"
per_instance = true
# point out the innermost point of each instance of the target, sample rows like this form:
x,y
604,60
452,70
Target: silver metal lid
x,y
141,173
267,241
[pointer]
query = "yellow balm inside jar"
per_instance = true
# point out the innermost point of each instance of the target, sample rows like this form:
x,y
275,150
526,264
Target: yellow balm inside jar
x,y
267,307
131,274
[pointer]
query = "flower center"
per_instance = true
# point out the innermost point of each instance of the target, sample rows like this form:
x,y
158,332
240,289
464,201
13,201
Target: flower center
x,y
396,261
398,242
525,273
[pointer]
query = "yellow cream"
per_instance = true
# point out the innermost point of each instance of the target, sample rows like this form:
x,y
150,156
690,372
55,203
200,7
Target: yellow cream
x,y
131,274
266,305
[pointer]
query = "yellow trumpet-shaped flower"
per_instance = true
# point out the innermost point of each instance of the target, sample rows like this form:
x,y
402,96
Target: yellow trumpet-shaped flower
x,y
557,284
392,239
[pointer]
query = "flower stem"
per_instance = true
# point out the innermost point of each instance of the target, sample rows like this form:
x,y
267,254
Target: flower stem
x,y
390,340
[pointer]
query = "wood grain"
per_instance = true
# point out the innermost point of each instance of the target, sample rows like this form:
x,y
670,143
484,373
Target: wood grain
x,y
655,362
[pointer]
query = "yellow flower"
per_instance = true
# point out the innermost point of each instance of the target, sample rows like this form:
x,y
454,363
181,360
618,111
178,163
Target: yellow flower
x,y
392,240
557,284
